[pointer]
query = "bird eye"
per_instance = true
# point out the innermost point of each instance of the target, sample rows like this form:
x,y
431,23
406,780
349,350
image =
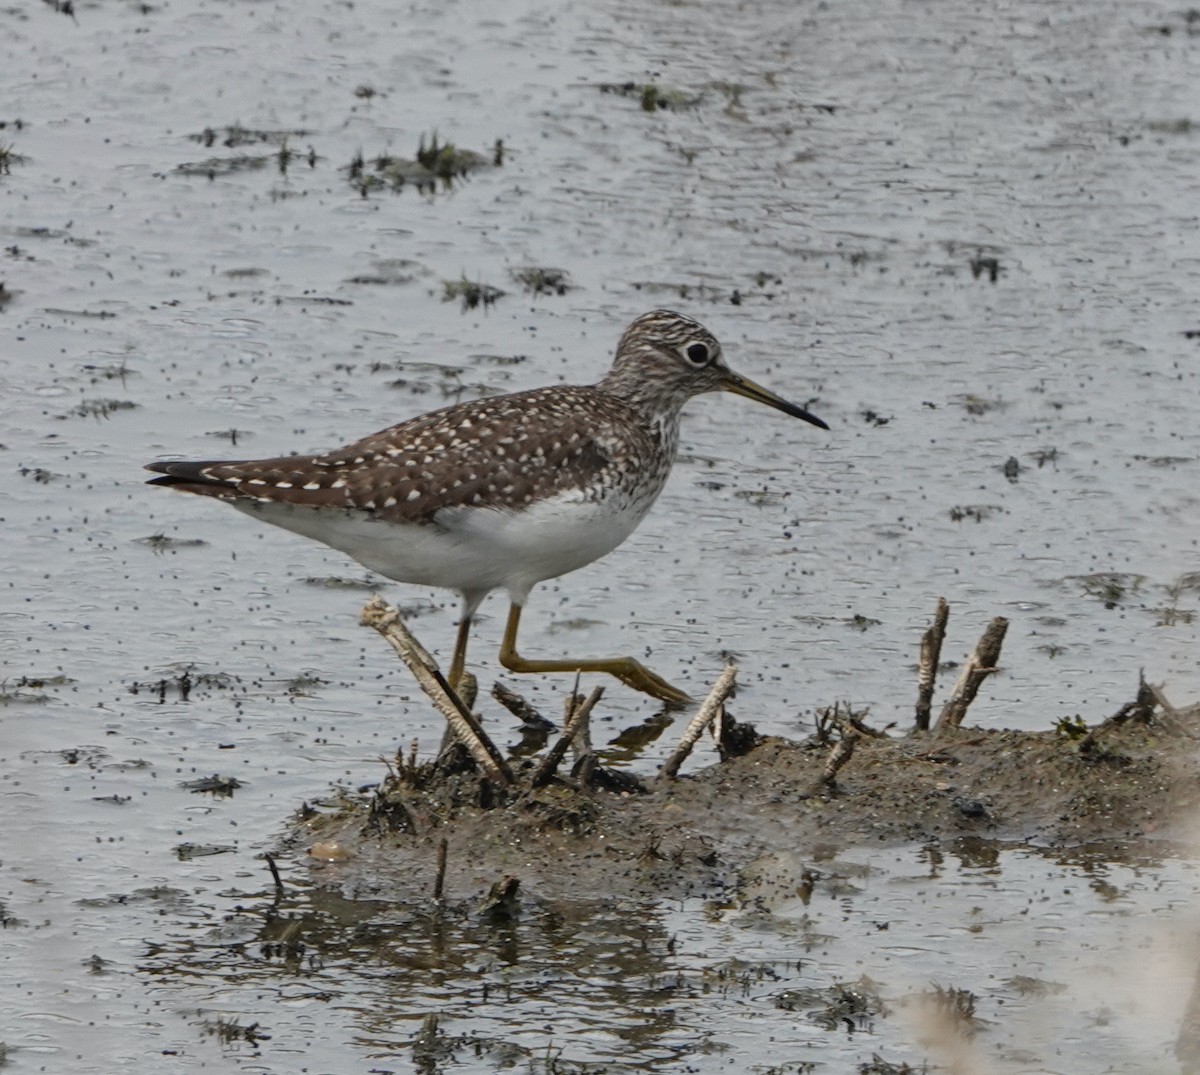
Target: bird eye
x,y
697,354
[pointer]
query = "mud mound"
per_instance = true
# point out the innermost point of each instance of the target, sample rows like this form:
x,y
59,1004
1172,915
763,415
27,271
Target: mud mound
x,y
1136,777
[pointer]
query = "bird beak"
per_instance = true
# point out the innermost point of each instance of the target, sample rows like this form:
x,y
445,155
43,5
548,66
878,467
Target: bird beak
x,y
742,386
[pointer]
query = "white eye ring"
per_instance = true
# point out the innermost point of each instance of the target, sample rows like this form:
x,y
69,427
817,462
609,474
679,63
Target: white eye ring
x,y
697,354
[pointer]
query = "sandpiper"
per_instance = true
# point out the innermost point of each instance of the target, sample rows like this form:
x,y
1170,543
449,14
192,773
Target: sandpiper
x,y
502,492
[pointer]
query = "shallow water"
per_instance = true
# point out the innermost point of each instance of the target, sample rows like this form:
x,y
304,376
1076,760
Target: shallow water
x,y
840,172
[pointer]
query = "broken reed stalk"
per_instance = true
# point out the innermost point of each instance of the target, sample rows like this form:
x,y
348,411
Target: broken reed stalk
x,y
931,652
384,618
556,753
982,663
584,767
581,744
703,718
518,706
842,752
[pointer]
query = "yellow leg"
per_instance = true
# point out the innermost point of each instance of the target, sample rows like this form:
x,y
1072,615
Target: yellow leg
x,y
629,671
459,662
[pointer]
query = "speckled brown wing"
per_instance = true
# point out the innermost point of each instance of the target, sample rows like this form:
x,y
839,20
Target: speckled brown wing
x,y
484,453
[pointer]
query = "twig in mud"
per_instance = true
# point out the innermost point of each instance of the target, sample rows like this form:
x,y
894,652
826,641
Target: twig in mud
x,y
405,769
439,882
1140,710
385,619
1173,719
581,741
274,874
556,753
841,753
858,723
585,767
586,759
838,717
708,710
519,707
982,663
931,652
824,722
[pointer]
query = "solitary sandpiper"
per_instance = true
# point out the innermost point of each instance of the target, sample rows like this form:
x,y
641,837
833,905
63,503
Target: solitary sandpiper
x,y
502,492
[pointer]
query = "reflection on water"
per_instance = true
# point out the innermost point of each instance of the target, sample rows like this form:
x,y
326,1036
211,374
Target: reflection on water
x,y
1006,955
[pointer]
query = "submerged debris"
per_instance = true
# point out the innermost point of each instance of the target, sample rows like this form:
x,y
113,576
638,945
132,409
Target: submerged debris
x,y
653,97
220,787
100,408
471,293
985,265
8,158
975,512
30,690
163,543
390,272
543,281
218,167
229,1031
1111,587
878,1066
237,135
437,164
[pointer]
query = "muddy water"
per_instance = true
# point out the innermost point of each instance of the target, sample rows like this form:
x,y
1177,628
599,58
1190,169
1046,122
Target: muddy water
x,y
851,175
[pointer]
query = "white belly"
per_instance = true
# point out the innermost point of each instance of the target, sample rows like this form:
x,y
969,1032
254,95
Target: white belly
x,y
472,550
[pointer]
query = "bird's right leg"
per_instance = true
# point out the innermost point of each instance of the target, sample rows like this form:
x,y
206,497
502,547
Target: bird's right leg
x,y
629,671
